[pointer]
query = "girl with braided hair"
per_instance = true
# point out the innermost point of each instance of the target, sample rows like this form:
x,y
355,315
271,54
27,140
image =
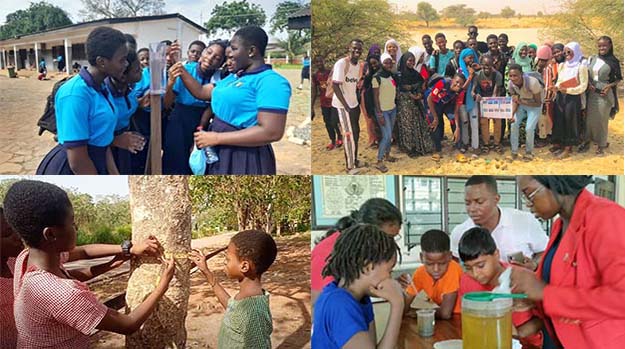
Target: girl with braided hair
x,y
361,264
379,212
580,281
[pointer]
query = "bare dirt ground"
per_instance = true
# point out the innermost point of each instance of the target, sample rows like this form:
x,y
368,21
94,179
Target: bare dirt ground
x,y
333,162
288,282
22,102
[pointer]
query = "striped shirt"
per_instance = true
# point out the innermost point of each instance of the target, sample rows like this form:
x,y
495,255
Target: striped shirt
x,y
53,312
246,324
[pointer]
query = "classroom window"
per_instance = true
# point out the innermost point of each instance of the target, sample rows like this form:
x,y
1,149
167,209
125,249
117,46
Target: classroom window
x,y
422,207
78,52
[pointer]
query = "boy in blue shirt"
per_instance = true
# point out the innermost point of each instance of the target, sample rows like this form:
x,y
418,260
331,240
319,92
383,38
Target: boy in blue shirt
x,y
361,264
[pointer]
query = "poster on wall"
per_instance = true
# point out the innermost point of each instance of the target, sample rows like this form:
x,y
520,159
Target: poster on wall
x,y
337,196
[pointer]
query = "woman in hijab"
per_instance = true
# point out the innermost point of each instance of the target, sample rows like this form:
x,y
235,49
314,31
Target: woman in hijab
x,y
602,104
468,110
367,105
392,48
571,84
419,66
521,57
414,136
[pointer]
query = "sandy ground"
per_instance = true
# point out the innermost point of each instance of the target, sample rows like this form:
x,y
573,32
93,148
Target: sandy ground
x,y
22,102
288,282
333,162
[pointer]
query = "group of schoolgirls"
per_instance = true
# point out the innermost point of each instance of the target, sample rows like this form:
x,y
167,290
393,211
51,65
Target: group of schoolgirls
x,y
559,95
103,113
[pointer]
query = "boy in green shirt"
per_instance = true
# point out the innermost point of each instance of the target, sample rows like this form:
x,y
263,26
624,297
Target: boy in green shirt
x,y
247,322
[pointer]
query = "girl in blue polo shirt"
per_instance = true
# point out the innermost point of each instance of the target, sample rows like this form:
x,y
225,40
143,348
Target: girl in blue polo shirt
x,y
85,112
125,101
187,112
360,263
250,108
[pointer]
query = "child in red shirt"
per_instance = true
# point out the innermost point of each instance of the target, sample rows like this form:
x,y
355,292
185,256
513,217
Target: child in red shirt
x,y
478,252
53,307
318,88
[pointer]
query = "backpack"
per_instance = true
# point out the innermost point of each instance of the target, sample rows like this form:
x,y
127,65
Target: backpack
x,y
47,122
330,85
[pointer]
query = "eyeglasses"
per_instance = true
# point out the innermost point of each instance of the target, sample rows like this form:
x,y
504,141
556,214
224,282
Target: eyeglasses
x,y
529,198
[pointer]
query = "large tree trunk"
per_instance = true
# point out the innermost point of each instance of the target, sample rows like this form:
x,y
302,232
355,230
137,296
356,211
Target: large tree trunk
x,y
160,206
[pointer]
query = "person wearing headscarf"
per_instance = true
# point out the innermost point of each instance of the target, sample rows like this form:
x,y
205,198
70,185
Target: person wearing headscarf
x,y
414,136
571,84
543,66
420,65
367,105
468,110
602,104
521,57
531,53
375,50
392,48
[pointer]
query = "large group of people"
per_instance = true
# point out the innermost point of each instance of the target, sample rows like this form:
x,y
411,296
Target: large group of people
x,y
223,100
560,98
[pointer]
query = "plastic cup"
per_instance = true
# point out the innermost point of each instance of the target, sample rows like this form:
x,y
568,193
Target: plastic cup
x,y
425,322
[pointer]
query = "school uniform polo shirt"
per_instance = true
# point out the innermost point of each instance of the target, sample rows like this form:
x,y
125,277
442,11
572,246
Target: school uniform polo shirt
x,y
125,104
238,98
339,317
53,312
85,114
517,231
183,96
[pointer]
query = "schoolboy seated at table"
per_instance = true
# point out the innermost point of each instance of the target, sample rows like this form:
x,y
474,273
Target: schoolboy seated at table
x,y
439,276
480,256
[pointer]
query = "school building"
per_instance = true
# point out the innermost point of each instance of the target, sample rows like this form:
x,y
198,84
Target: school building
x,y
425,202
69,42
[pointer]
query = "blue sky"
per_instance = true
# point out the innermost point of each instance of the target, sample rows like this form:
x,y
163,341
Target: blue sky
x,y
197,11
96,186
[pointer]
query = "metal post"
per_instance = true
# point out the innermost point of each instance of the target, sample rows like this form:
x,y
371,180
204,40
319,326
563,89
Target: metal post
x,y
67,57
15,56
36,58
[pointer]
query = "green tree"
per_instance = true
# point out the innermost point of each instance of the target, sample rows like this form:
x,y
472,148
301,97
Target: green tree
x,y
426,13
280,18
507,12
467,17
230,16
294,44
38,17
484,15
539,14
585,21
335,23
455,11
96,9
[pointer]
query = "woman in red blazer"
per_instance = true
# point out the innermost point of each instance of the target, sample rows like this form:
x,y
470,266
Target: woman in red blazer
x,y
579,285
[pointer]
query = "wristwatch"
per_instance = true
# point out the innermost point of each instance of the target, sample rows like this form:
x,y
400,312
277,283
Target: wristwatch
x,y
126,246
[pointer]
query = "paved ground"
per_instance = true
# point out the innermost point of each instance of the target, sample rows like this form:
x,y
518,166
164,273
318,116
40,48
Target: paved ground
x,y
23,100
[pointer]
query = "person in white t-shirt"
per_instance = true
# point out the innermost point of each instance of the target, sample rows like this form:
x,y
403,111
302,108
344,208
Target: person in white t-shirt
x,y
513,230
345,80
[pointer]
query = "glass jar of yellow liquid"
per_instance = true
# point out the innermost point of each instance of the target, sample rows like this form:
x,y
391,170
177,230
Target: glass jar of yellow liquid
x,y
487,324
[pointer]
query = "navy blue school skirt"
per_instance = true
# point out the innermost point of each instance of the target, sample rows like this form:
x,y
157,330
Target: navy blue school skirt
x,y
123,158
183,121
56,163
235,160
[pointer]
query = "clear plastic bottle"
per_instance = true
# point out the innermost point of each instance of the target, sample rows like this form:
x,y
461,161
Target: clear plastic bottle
x,y
211,154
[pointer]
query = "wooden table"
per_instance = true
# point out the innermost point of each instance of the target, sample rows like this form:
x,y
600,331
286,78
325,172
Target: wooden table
x,y
443,330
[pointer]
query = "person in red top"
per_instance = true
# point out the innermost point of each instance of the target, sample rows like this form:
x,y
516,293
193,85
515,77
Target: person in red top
x,y
445,97
53,307
376,211
478,252
580,281
318,88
